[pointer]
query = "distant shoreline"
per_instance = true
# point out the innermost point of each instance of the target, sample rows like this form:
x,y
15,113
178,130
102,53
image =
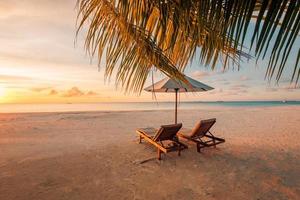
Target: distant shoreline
x,y
140,106
159,101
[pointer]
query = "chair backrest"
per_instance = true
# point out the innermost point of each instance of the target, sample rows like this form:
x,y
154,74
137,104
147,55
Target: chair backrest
x,y
202,127
167,132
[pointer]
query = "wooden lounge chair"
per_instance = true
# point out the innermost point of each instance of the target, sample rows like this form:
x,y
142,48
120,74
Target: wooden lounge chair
x,y
164,139
201,134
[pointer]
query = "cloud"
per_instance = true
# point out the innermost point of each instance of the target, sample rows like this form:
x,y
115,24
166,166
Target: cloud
x,y
235,92
53,92
231,93
270,89
239,86
226,83
243,91
244,78
6,78
200,74
76,92
222,81
287,88
91,93
73,92
216,91
291,87
41,89
237,89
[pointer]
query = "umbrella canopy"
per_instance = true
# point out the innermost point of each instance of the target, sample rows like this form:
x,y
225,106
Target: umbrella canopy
x,y
174,85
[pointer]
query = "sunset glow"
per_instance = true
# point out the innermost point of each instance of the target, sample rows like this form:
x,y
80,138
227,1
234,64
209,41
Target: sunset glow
x,y
40,64
2,92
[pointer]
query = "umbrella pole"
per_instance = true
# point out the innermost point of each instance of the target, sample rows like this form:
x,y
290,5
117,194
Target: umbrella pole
x,y
176,100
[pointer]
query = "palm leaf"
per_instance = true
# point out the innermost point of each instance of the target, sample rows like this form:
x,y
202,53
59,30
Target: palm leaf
x,y
139,35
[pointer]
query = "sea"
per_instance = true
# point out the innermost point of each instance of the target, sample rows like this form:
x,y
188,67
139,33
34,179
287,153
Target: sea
x,y
132,106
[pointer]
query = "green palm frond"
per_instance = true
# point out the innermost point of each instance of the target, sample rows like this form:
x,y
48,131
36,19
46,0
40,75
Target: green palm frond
x,y
129,50
139,35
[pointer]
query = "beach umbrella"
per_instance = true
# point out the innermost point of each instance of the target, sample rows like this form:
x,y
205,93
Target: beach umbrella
x,y
176,86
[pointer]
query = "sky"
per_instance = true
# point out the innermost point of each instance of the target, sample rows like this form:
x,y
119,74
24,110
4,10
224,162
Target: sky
x,y
40,63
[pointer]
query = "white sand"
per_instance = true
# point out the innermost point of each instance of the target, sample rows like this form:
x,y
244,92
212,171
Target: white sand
x,y
95,155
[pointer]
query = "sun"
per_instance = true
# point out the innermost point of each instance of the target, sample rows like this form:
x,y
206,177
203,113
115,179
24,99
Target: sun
x,y
2,91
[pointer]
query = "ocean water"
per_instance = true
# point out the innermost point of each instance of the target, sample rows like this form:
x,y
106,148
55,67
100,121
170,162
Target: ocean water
x,y
24,108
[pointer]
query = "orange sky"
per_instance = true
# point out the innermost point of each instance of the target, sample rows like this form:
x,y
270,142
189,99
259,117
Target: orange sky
x,y
40,64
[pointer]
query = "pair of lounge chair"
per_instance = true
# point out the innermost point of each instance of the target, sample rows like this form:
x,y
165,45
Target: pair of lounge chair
x,y
166,139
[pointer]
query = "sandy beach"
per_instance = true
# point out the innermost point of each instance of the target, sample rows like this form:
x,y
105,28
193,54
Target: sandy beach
x,y
95,155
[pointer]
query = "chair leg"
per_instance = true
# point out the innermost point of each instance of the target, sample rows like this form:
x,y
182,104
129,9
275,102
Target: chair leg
x,y
214,141
198,148
158,154
179,151
140,139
